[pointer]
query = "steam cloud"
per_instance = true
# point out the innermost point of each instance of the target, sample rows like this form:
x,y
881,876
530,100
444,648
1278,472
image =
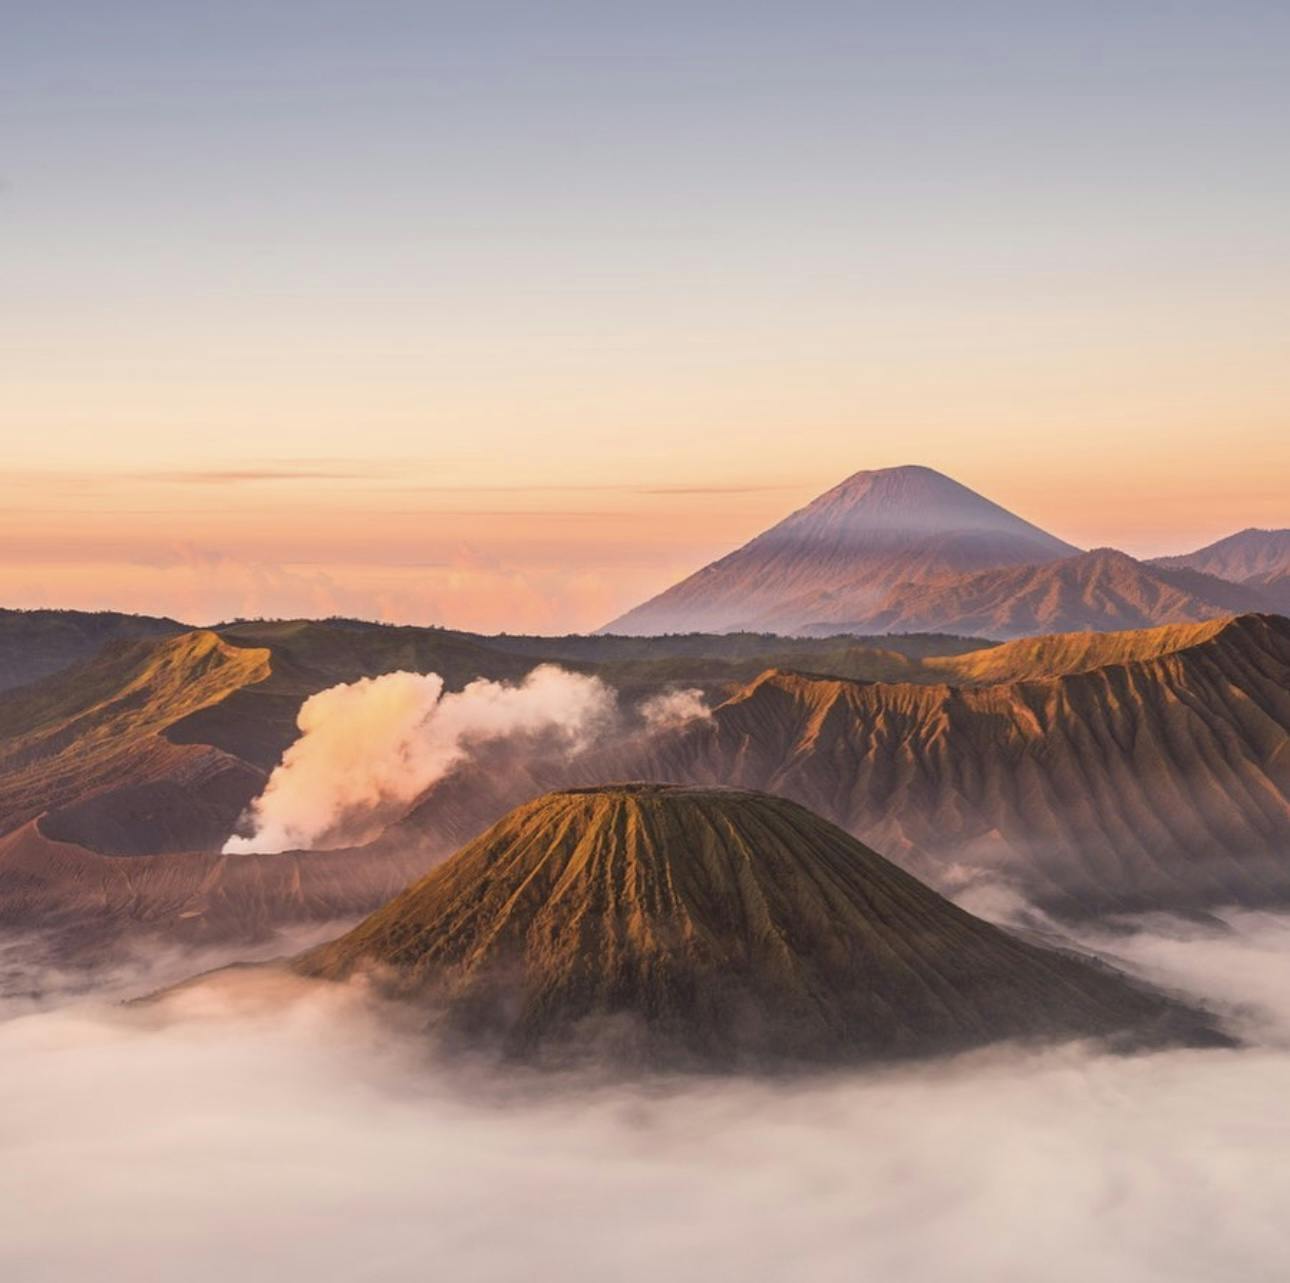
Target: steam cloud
x,y
232,1135
367,749
672,708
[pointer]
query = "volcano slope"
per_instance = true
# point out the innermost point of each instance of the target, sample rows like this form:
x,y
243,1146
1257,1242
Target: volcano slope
x,y
1102,590
156,746
837,558
1257,559
1095,773
694,927
1145,771
93,740
122,776
37,643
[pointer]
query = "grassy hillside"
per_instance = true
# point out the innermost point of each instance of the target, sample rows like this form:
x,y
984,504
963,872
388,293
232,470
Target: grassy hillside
x,y
37,643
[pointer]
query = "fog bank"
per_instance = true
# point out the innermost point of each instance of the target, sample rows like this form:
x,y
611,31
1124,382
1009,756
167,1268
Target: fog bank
x,y
234,1133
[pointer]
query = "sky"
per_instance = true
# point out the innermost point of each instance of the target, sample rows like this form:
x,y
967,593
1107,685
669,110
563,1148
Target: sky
x,y
506,315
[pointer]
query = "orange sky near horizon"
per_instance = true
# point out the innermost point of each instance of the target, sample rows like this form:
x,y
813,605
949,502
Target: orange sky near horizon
x,y
388,540
510,316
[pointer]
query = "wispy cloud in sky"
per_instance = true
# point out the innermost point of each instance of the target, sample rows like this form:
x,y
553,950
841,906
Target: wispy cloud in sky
x,y
239,476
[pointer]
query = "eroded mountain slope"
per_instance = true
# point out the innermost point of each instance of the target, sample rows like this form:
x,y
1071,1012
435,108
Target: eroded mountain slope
x,y
1158,783
1102,591
715,927
68,740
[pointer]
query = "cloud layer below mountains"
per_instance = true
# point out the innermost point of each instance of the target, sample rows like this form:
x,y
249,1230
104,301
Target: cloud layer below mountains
x,y
271,1129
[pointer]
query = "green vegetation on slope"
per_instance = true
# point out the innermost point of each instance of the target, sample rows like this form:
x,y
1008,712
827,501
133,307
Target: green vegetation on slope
x,y
37,643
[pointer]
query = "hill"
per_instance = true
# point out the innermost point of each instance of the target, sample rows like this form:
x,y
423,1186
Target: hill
x,y
258,721
711,927
66,741
158,746
1096,773
1057,654
38,643
840,555
1258,559
1159,779
1101,591
86,904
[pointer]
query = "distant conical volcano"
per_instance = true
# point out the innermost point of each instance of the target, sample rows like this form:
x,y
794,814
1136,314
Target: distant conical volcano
x,y
713,927
837,557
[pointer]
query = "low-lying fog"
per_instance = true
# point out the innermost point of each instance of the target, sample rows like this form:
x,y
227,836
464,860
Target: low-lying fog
x,y
224,1136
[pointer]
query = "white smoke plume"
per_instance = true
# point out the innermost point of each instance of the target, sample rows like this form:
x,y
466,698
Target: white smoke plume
x,y
368,749
673,708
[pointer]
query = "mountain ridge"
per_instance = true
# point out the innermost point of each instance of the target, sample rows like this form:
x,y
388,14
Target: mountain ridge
x,y
1160,781
1256,558
1101,590
870,532
910,550
35,644
704,926
1097,773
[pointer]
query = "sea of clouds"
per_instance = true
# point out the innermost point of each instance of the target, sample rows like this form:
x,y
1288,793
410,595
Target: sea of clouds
x,y
265,1128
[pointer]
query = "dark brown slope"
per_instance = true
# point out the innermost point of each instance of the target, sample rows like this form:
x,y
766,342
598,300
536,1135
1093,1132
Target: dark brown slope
x,y
1275,586
34,644
838,556
258,722
1098,591
719,663
75,738
720,928
1160,782
158,746
84,902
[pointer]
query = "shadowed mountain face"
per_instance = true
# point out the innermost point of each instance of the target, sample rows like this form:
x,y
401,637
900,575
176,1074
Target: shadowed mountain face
x,y
1103,590
838,557
158,746
710,927
122,777
906,550
87,903
1257,559
1097,773
1134,778
37,643
69,740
